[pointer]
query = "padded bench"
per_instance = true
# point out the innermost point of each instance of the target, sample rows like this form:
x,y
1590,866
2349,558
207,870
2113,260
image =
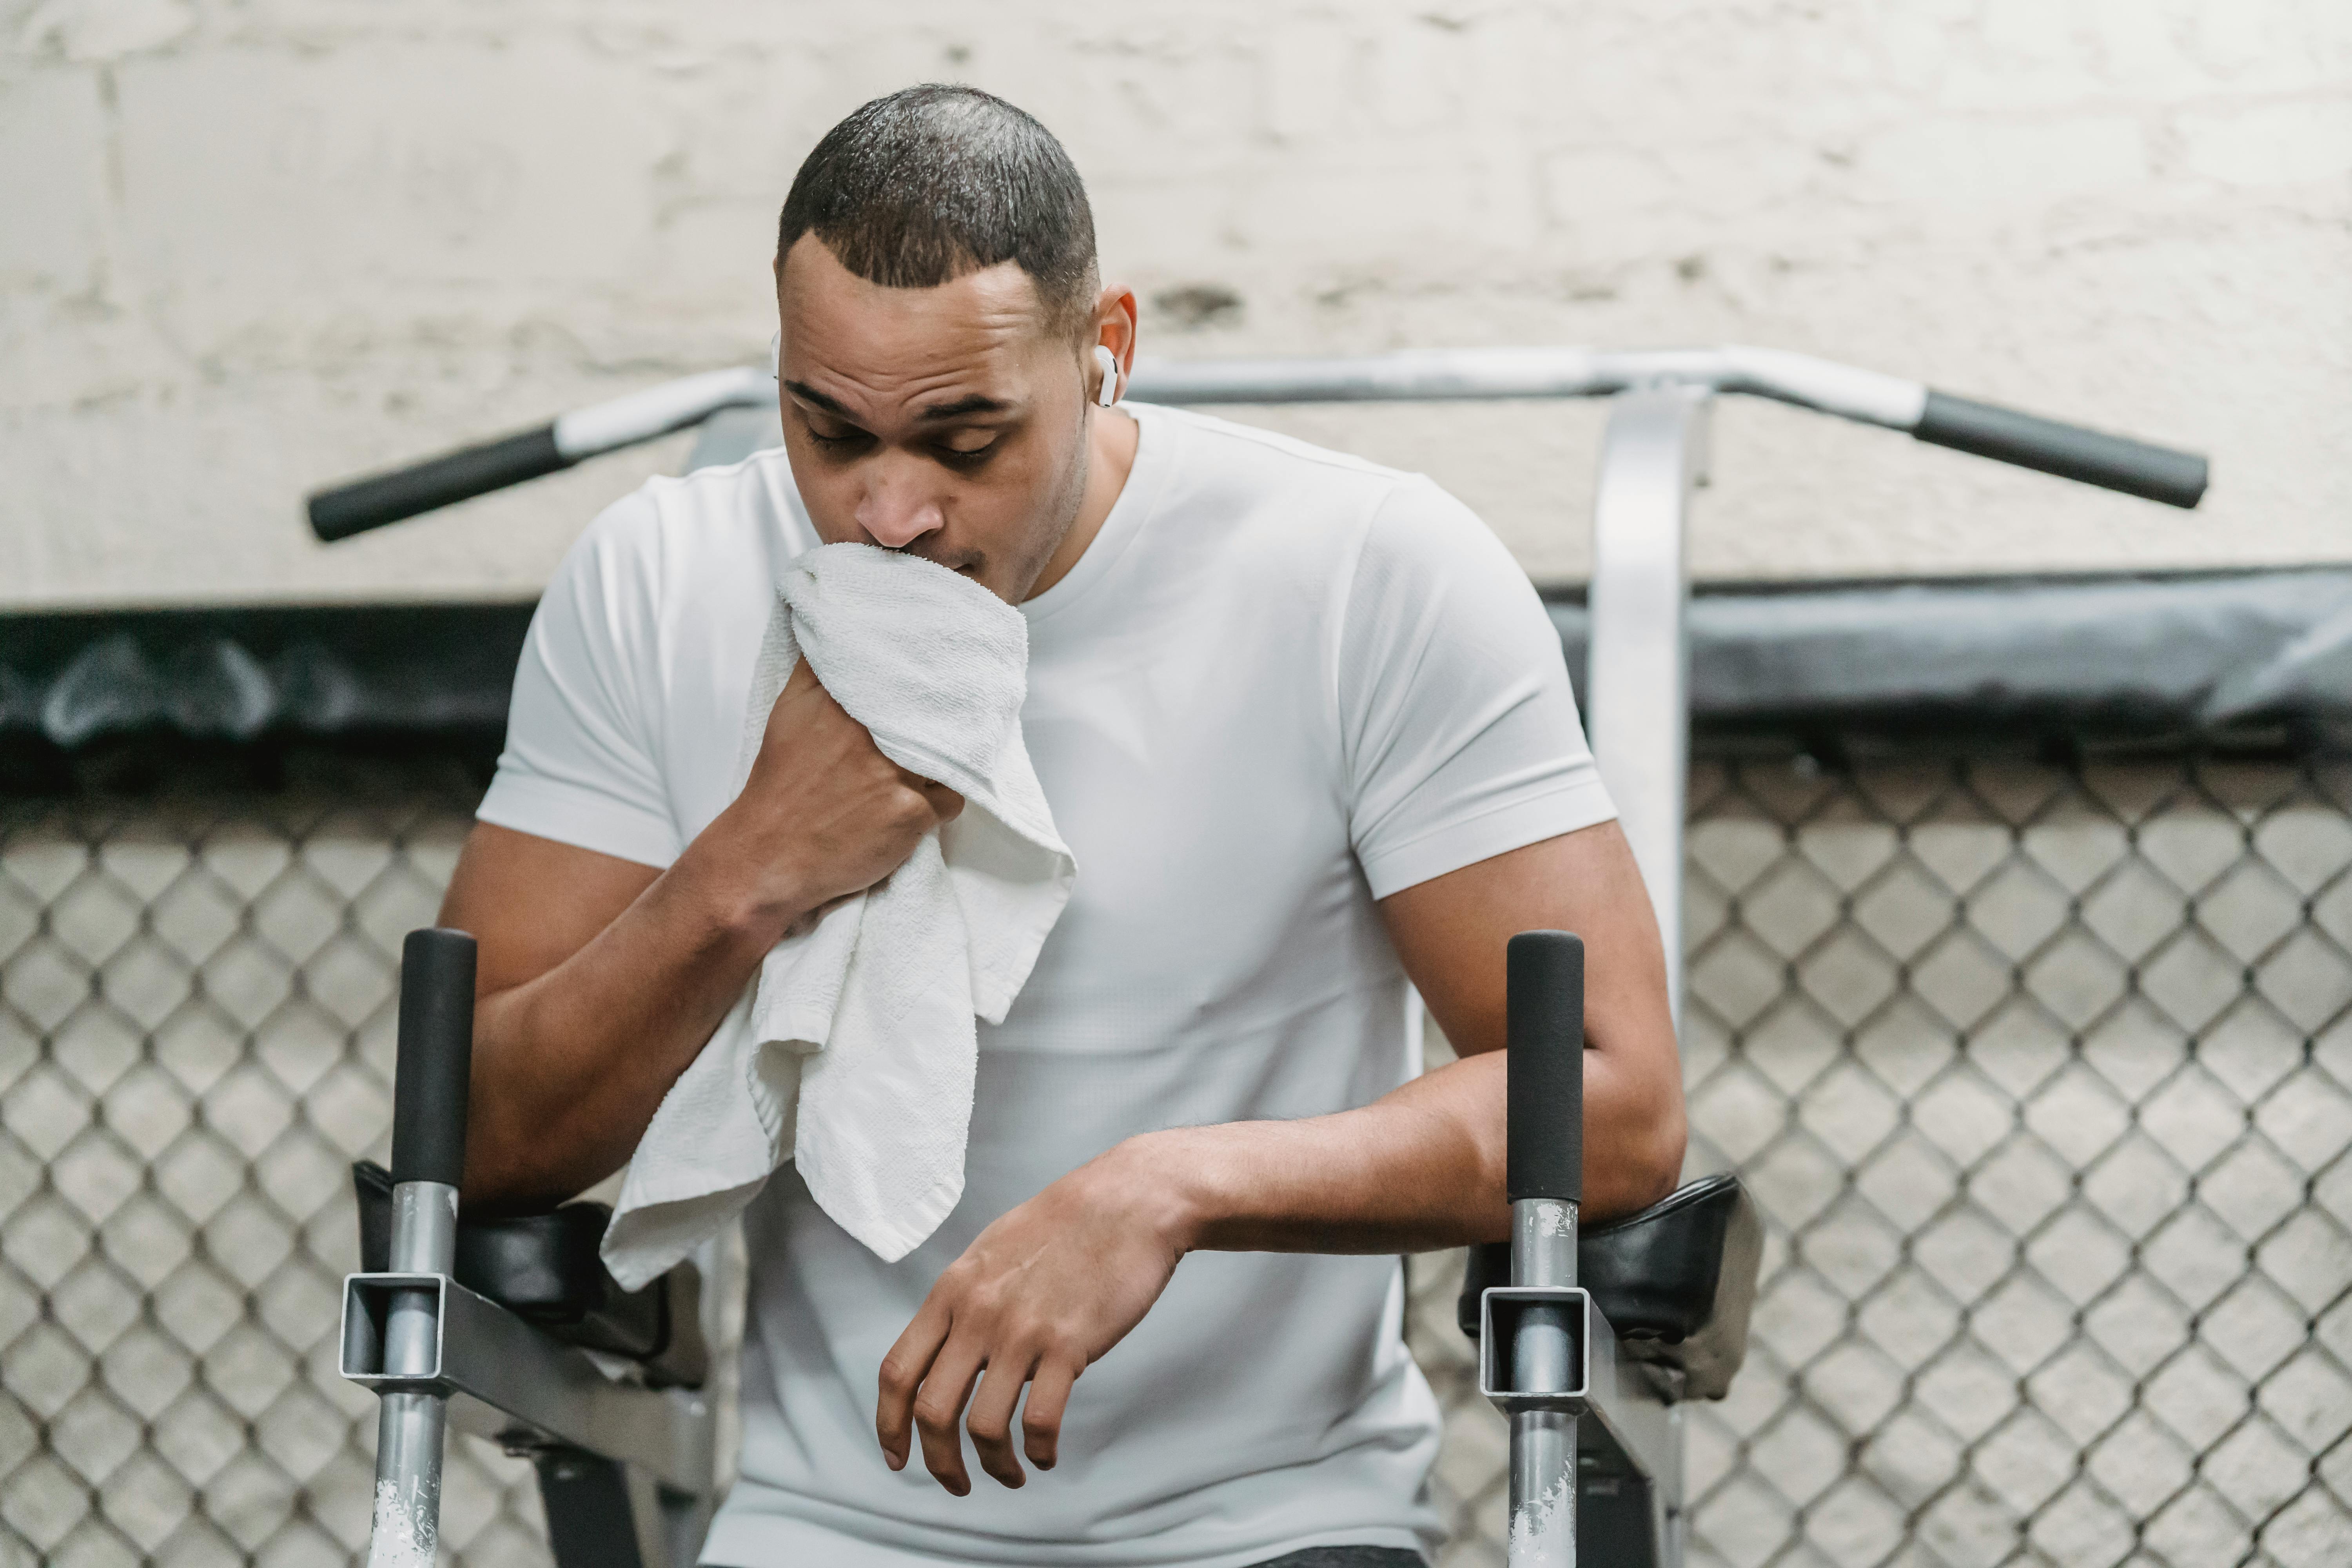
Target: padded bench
x,y
1677,1281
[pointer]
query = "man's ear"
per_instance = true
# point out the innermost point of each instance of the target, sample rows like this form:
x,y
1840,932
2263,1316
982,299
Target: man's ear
x,y
1114,327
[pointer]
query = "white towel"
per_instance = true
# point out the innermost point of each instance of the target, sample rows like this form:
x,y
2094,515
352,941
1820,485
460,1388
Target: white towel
x,y
853,1053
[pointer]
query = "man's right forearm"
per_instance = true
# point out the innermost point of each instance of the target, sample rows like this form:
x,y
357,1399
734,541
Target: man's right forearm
x,y
570,1066
599,978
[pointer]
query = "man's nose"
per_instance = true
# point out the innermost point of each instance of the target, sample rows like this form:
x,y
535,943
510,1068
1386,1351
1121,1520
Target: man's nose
x,y
895,510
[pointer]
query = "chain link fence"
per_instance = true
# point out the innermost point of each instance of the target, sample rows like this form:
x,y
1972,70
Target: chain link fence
x,y
2040,1075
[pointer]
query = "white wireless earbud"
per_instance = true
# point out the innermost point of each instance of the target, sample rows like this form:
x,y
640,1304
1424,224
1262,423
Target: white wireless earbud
x,y
776,354
1108,393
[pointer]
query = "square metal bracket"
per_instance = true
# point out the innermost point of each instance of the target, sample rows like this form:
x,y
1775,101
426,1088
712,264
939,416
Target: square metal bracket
x,y
1500,1309
367,1305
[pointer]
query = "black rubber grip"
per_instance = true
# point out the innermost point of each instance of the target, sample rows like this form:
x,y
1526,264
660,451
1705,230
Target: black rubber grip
x,y
1544,991
436,482
2030,441
436,1057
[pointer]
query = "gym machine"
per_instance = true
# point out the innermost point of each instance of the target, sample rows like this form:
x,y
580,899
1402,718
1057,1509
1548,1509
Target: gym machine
x,y
511,1328
1590,1341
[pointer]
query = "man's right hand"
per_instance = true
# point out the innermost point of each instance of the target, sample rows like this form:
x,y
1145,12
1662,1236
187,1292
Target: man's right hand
x,y
601,979
824,814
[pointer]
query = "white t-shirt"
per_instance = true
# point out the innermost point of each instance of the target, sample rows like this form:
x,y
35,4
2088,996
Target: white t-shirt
x,y
1280,684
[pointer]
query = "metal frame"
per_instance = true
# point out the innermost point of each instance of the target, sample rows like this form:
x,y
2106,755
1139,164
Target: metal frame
x,y
1420,375
504,1377
508,1381
640,1459
1637,676
1630,1451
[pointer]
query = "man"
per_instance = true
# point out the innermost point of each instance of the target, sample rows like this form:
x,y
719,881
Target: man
x,y
1309,733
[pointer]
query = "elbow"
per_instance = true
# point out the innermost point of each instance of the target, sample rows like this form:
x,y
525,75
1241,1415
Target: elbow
x,y
1656,1165
498,1178
514,1135
510,1171
1642,1162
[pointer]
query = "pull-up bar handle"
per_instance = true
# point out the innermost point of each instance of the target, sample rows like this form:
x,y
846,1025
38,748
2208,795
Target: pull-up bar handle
x,y
2070,451
362,504
415,488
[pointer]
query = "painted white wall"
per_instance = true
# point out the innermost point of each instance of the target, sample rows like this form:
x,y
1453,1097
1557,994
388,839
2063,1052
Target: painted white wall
x,y
249,247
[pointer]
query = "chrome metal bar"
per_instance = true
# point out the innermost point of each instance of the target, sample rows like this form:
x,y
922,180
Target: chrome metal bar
x,y
1543,1442
424,1228
411,1423
409,1432
1543,1242
1420,376
1441,375
1543,1489
1637,679
657,410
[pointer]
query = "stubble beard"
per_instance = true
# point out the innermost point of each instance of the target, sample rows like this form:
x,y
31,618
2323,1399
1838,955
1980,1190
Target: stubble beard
x,y
1063,506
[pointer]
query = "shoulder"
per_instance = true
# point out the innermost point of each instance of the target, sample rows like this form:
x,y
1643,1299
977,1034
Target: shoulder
x,y
1284,517
1217,454
1291,498
1268,460
683,537
724,517
1268,452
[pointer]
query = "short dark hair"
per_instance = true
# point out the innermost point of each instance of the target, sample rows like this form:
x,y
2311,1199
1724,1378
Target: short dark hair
x,y
928,182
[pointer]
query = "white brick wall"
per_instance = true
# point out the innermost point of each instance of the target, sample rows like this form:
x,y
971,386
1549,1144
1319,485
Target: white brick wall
x,y
246,249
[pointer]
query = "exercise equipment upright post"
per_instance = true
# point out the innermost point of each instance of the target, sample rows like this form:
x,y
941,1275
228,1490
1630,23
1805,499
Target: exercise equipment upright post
x,y
428,1160
1534,1349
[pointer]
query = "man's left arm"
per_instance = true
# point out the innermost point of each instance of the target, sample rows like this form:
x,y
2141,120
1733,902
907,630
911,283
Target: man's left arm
x,y
1051,1285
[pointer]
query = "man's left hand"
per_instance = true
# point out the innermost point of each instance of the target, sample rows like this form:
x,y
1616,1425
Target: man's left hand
x,y
1037,1298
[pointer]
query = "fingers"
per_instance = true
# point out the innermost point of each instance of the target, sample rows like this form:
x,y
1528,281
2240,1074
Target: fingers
x,y
927,1380
801,686
903,1371
1041,1417
945,803
991,1420
939,1411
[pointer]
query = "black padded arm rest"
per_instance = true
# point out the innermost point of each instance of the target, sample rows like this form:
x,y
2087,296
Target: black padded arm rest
x,y
1677,1281
544,1267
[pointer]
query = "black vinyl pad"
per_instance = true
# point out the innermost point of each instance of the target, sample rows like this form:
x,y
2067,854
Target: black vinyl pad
x,y
1677,1281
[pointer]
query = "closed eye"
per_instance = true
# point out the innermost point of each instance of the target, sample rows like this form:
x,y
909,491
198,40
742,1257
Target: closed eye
x,y
835,436
957,457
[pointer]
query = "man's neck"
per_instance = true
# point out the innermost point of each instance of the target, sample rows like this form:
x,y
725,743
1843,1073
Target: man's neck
x,y
1111,438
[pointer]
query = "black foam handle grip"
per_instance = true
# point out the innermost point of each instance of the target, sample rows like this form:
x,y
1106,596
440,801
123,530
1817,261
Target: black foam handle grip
x,y
444,480
1544,991
436,1057
2094,457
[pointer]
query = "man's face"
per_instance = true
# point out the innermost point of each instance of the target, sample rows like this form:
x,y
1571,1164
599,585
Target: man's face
x,y
949,423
